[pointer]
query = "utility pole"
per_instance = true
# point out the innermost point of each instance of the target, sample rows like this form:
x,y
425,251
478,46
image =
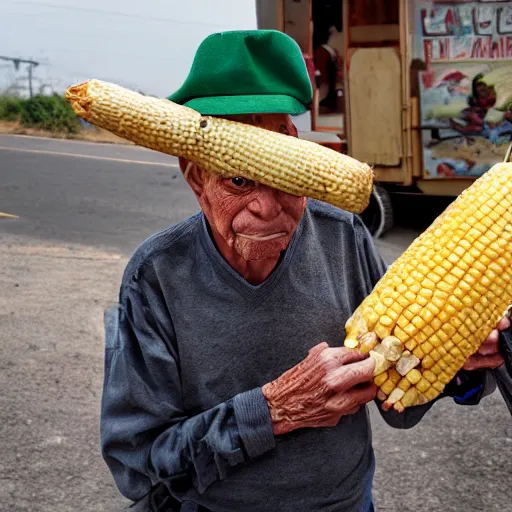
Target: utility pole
x,y
31,65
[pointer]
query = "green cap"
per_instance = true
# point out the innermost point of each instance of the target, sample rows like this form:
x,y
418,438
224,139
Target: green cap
x,y
245,72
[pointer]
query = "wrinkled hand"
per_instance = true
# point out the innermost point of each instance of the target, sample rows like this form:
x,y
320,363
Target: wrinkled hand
x,y
488,355
328,384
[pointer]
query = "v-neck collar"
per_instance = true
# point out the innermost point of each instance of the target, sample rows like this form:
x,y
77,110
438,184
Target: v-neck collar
x,y
245,288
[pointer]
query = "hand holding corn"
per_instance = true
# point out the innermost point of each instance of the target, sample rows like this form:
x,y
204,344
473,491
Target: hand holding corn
x,y
328,384
439,302
488,355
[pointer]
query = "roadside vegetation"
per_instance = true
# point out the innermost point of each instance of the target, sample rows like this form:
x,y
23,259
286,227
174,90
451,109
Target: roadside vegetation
x,y
50,113
47,116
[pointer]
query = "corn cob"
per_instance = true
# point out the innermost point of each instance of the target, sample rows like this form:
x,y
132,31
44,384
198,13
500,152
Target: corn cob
x,y
440,300
225,147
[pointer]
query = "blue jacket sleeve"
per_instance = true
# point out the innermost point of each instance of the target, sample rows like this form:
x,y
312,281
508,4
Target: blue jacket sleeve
x,y
146,435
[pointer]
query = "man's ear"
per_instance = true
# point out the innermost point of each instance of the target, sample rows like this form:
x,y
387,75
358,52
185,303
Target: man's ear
x,y
193,175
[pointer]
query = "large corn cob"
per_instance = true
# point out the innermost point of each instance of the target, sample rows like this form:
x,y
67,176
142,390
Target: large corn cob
x,y
440,300
228,148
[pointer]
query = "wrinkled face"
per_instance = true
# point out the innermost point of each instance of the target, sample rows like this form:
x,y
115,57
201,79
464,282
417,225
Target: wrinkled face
x,y
256,220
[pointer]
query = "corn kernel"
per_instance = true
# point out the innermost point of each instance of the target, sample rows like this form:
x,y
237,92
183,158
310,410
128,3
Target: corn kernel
x,y
427,362
404,384
411,345
439,386
431,393
394,376
413,376
418,352
410,398
422,385
443,377
388,387
427,374
380,379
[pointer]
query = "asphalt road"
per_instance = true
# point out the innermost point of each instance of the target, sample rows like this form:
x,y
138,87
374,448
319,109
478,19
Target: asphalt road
x,y
83,208
95,194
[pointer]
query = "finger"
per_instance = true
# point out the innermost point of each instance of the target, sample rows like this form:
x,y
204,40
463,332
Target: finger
x,y
364,393
492,338
478,362
348,400
335,357
350,375
504,323
489,348
317,349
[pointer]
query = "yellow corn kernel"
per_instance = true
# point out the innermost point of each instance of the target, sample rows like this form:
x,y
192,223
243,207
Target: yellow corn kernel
x,y
413,376
429,376
422,385
411,345
404,384
431,393
380,379
388,387
410,398
427,362
439,386
444,378
418,353
427,347
435,341
394,376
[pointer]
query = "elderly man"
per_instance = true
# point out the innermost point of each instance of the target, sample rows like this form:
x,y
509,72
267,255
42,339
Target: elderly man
x,y
227,387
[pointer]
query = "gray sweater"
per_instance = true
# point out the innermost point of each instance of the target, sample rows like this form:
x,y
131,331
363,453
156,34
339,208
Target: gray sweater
x,y
189,347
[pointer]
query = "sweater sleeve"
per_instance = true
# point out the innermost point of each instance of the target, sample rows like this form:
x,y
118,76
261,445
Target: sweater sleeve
x,y
147,436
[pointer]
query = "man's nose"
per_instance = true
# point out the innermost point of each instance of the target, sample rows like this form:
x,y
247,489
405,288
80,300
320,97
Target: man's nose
x,y
265,203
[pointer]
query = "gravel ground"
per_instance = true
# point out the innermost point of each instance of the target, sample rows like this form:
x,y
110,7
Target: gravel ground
x,y
51,363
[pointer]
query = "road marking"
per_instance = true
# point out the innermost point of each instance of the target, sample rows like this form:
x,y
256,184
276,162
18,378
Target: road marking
x,y
127,145
94,157
70,141
8,216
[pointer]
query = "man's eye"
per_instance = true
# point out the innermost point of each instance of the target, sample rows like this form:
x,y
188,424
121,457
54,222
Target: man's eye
x,y
239,182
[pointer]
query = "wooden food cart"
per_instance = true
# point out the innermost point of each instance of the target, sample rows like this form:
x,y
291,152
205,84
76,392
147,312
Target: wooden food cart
x,y
420,89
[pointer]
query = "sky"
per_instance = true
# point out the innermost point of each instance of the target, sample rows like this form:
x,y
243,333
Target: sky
x,y
146,45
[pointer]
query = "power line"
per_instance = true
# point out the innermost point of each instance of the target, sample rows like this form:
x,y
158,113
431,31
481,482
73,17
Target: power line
x,y
17,61
31,65
120,14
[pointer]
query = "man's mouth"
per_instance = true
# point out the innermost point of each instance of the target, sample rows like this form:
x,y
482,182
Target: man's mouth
x,y
263,238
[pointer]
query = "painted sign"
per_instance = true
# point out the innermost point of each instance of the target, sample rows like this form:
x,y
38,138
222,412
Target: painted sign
x,y
478,30
466,90
466,111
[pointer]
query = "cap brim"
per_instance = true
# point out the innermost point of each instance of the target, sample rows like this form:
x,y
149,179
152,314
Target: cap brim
x,y
237,105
